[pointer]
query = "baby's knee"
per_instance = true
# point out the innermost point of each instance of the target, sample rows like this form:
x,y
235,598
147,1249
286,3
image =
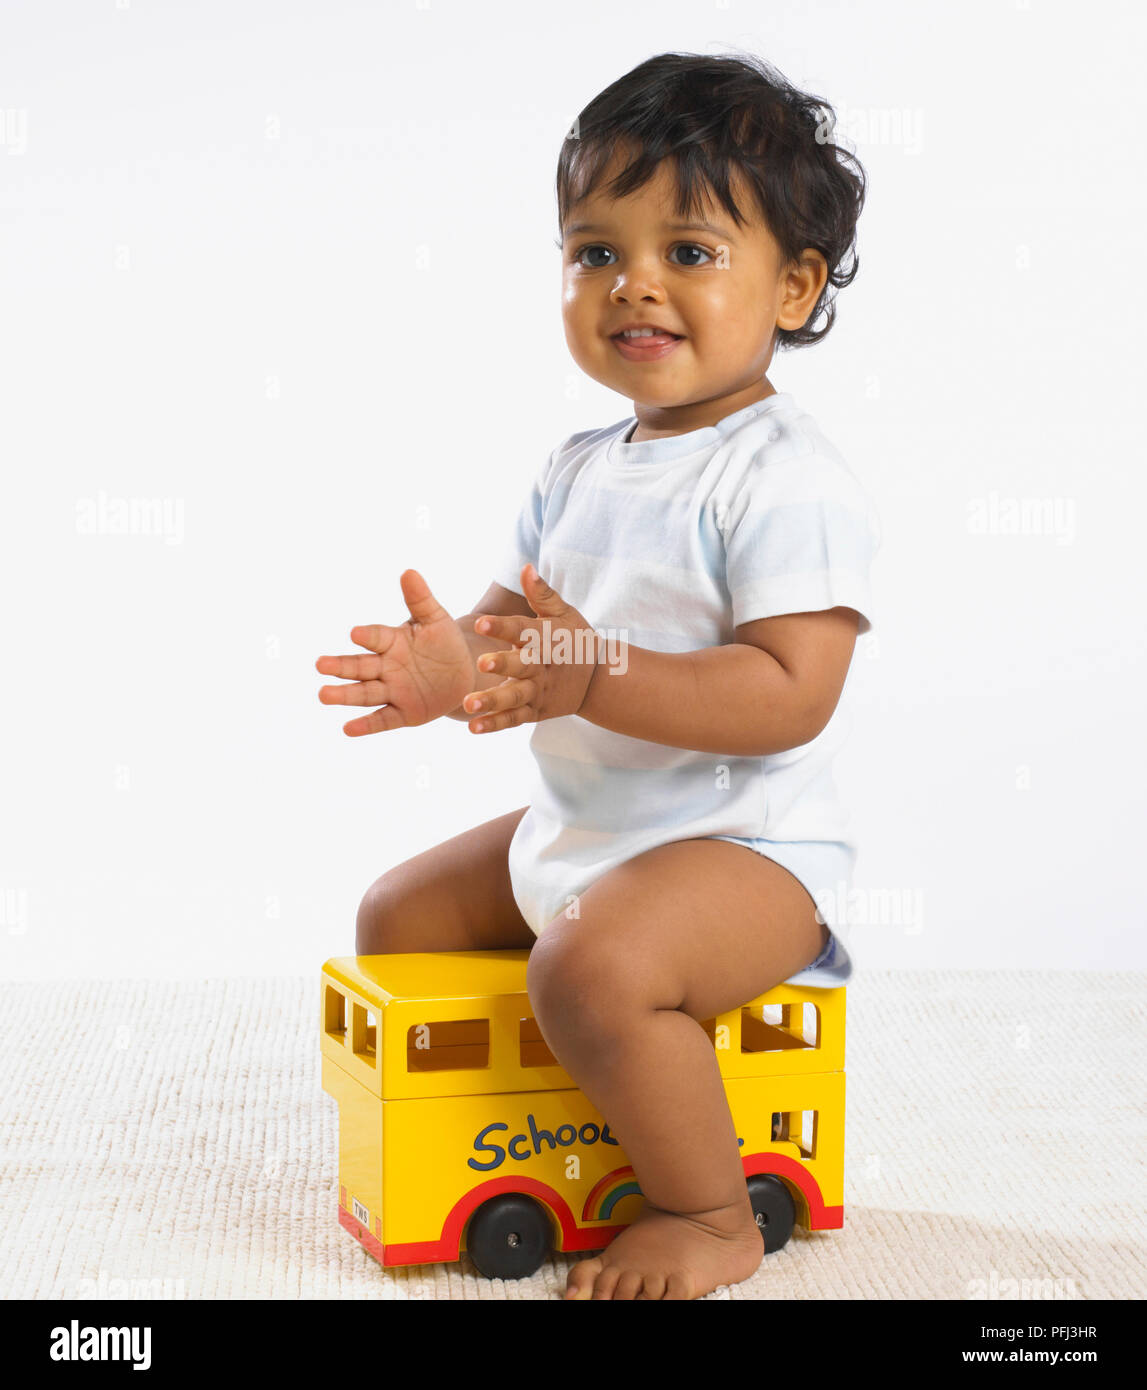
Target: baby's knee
x,y
368,924
583,989
380,926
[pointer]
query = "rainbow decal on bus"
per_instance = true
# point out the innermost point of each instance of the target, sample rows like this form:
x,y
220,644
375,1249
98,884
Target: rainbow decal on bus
x,y
606,1194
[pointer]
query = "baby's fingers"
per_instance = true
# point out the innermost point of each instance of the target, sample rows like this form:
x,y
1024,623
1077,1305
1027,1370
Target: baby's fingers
x,y
491,723
363,693
501,707
377,636
506,629
505,663
376,723
349,668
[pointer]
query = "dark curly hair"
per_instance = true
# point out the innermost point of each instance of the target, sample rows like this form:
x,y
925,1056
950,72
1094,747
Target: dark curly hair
x,y
712,115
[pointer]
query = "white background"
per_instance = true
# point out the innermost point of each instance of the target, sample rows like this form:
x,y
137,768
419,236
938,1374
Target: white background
x,y
287,270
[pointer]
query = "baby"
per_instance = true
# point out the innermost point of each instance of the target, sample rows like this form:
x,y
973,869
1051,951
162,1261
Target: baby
x,y
677,612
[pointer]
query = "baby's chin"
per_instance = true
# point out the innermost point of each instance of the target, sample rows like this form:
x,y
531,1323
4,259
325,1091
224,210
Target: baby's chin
x,y
650,383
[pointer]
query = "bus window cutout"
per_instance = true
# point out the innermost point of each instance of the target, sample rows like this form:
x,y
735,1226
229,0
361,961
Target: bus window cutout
x,y
461,1135
779,1027
533,1051
449,1045
364,1034
334,1013
797,1128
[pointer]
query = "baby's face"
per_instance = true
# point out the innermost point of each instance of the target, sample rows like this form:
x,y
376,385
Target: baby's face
x,y
721,288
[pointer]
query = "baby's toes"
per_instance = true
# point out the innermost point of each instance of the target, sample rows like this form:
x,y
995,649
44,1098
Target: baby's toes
x,y
653,1287
629,1285
580,1283
605,1286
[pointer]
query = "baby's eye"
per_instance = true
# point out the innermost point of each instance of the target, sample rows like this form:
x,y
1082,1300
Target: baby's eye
x,y
596,265
692,246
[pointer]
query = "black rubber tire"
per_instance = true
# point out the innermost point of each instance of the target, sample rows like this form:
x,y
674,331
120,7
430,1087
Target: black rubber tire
x,y
508,1237
774,1209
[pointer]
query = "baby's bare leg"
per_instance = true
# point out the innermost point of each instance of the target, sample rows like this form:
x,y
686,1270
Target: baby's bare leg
x,y
454,897
674,936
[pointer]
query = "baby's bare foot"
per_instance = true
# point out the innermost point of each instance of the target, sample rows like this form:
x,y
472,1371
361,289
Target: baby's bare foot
x,y
664,1255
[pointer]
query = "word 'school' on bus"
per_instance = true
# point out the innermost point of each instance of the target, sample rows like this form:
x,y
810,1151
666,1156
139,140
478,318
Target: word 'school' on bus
x,y
459,1130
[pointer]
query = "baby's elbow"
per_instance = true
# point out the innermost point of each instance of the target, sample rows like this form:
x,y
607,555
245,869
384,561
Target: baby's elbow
x,y
806,722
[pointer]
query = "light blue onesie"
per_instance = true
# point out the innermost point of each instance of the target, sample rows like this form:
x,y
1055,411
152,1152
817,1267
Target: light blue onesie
x,y
669,544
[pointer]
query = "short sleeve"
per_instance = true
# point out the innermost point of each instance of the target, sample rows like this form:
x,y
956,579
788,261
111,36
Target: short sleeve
x,y
523,543
801,538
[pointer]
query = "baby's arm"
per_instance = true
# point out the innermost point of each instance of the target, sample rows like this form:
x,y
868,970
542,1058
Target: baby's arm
x,y
775,687
504,603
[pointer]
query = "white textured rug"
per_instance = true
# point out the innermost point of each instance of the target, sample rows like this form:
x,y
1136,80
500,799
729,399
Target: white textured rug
x,y
171,1139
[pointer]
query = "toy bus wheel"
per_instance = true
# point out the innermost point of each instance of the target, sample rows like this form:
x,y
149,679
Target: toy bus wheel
x,y
508,1237
773,1207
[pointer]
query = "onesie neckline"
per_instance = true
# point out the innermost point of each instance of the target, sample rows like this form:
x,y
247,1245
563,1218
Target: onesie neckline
x,y
675,446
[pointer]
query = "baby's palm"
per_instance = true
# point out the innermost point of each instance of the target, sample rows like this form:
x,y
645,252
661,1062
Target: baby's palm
x,y
418,670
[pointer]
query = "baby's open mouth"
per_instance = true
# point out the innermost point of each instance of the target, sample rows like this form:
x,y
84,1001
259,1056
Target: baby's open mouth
x,y
646,336
647,344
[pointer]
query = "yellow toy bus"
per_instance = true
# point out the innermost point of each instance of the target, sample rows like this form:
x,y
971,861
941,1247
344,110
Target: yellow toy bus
x,y
459,1131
